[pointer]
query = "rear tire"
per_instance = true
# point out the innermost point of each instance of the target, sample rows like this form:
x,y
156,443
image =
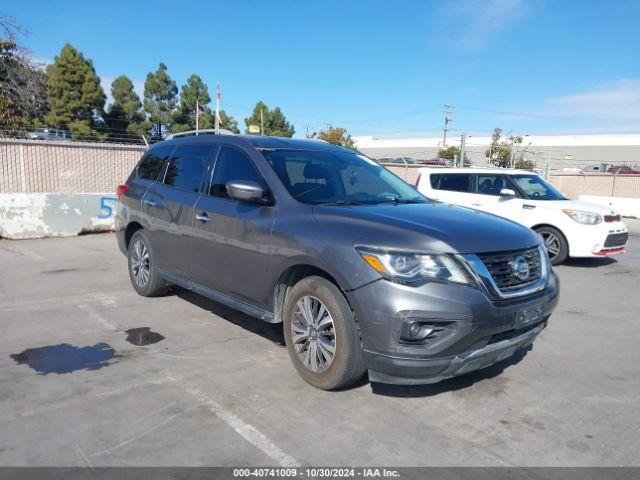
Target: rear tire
x,y
142,270
556,244
333,329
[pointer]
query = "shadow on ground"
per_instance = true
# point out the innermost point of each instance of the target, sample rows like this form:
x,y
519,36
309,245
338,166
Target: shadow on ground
x,y
270,331
589,262
452,384
273,332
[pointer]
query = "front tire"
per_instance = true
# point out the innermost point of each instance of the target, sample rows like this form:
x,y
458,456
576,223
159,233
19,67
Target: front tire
x,y
556,244
322,335
142,269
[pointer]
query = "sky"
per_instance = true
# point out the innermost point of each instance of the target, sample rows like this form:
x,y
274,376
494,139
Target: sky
x,y
380,68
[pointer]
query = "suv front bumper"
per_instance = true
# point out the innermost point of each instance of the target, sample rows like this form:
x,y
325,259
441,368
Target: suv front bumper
x,y
473,331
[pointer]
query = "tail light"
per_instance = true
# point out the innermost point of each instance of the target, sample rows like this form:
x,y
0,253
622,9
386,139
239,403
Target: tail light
x,y
418,179
120,190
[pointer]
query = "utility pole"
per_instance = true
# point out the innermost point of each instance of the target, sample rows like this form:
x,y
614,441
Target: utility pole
x,y
262,121
463,144
307,127
448,111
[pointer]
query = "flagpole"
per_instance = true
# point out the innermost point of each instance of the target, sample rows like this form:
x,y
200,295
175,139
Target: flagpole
x,y
218,109
197,115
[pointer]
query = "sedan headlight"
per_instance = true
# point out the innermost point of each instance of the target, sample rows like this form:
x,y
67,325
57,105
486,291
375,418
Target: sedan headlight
x,y
586,218
407,267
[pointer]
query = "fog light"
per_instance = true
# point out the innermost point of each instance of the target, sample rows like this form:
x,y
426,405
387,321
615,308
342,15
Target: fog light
x,y
416,331
597,248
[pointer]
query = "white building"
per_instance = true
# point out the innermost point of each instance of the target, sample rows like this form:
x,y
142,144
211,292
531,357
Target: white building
x,y
561,151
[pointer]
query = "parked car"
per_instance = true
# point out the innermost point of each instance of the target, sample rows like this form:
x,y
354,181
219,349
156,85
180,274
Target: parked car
x,y
363,271
623,170
595,168
569,228
50,134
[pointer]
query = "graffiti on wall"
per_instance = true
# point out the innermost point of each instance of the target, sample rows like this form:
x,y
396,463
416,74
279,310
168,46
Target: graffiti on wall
x,y
107,204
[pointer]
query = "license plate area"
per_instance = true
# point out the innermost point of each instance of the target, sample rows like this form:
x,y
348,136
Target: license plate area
x,y
528,316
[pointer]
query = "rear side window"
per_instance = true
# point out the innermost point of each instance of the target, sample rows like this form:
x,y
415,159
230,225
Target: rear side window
x,y
455,182
187,166
152,163
232,165
491,184
435,180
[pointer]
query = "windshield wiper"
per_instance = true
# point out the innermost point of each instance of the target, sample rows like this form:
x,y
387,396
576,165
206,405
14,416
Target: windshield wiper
x,y
342,202
398,199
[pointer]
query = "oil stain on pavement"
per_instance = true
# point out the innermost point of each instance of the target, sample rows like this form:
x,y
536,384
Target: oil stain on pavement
x,y
66,358
142,336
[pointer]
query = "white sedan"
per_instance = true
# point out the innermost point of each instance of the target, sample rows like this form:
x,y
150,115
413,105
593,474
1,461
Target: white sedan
x,y
569,228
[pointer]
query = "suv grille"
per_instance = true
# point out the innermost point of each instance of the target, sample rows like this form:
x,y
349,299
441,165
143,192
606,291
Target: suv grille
x,y
616,240
501,267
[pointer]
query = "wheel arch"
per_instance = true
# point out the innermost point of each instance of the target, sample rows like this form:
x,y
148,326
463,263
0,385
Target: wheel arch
x,y
550,225
132,228
292,275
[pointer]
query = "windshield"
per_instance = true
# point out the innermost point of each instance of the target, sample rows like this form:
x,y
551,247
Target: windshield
x,y
536,188
315,176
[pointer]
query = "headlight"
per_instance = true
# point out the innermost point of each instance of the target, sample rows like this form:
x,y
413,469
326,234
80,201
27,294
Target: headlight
x,y
585,218
407,267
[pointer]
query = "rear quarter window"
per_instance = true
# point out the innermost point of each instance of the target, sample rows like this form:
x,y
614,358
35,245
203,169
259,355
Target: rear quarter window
x,y
455,182
434,178
152,164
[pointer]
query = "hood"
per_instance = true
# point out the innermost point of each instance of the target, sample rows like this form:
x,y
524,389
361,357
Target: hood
x,y
431,227
582,206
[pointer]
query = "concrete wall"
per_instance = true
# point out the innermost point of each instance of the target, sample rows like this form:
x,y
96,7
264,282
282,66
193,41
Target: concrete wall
x,y
60,188
40,215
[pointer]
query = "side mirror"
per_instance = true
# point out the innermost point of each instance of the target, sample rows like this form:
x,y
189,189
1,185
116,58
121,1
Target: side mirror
x,y
507,192
247,191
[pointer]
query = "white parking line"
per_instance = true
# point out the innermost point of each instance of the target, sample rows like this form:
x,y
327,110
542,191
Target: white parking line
x,y
247,431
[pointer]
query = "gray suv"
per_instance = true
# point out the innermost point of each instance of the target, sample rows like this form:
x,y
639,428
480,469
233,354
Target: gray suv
x,y
363,272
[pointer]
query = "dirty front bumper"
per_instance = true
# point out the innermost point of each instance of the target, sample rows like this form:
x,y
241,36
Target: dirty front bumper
x,y
471,330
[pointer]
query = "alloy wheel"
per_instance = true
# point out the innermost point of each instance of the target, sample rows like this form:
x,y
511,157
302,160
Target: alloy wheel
x,y
552,242
140,263
313,334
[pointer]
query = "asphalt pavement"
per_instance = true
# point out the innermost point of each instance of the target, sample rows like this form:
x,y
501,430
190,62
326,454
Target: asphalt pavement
x,y
92,374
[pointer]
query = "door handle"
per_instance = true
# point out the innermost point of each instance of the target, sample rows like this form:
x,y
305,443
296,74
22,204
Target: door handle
x,y
150,202
203,217
526,206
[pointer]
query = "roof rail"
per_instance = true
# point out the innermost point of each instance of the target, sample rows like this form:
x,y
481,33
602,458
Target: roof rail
x,y
203,131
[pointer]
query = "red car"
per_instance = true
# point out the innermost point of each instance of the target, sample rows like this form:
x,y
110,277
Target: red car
x,y
623,170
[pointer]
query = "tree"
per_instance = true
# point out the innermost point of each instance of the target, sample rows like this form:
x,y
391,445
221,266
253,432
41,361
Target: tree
x,y
76,97
124,119
451,152
337,136
504,154
194,91
185,118
160,100
274,121
278,125
23,93
259,116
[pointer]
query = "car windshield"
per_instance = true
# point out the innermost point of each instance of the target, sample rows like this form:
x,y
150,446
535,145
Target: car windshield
x,y
536,188
339,178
